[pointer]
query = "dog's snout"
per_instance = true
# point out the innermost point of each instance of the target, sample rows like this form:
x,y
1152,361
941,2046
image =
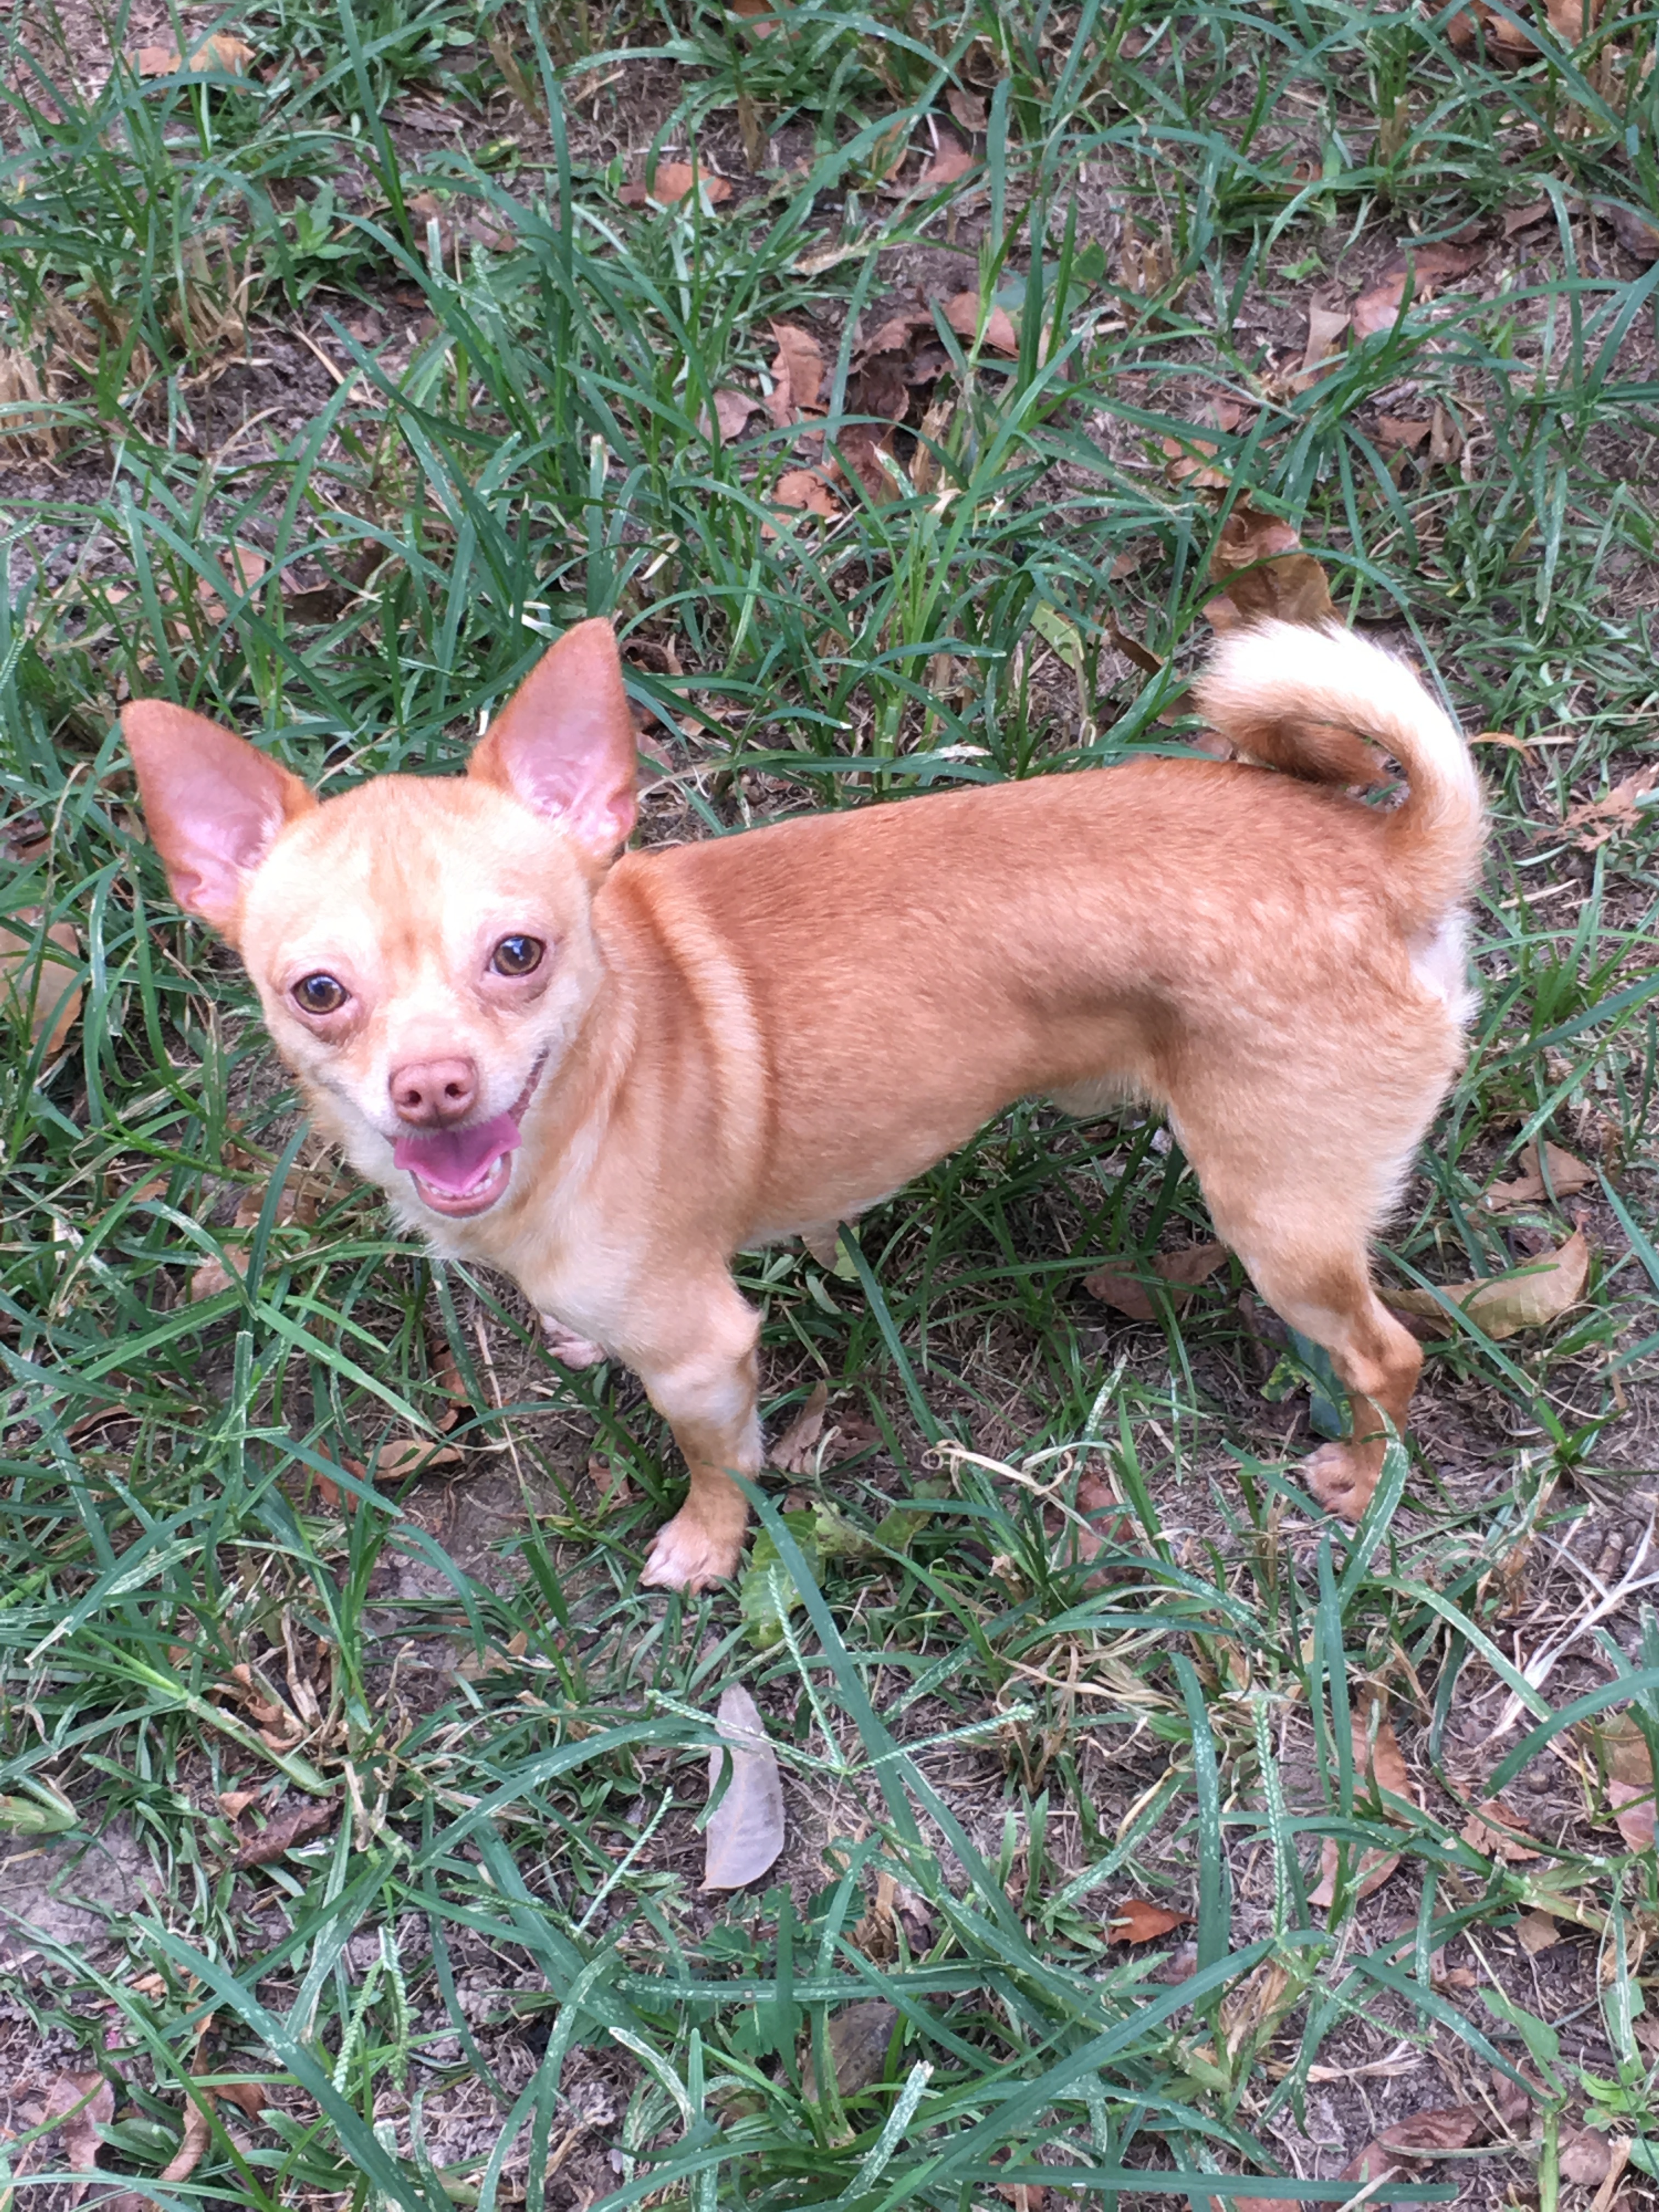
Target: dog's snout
x,y
431,1094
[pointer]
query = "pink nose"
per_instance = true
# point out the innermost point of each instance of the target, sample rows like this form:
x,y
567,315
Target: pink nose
x,y
430,1094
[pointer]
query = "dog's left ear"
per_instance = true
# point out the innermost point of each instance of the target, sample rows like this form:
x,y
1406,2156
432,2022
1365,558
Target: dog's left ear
x,y
563,743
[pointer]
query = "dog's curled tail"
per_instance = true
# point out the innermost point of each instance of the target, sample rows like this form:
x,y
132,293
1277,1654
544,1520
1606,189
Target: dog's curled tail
x,y
1300,698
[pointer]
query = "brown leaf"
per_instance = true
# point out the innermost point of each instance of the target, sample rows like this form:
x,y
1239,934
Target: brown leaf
x,y
1517,219
1137,1920
1621,1751
952,161
1445,438
1182,1271
1571,20
745,1832
240,569
609,1479
671,182
732,411
1536,1931
794,1452
861,446
446,1370
1584,2155
1618,809
38,980
1398,430
1132,648
754,13
1381,1763
401,1456
1568,1175
1428,266
1503,1304
212,1276
233,1803
859,2036
95,2100
967,106
1447,2127
298,1821
1638,236
1260,562
1495,1832
963,314
219,50
1104,1522
198,2134
242,1685
805,488
797,376
1325,328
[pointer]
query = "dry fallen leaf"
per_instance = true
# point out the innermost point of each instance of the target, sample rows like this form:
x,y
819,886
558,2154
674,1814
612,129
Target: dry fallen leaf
x,y
1105,1521
38,980
1638,236
1495,1832
95,2100
1427,267
952,161
805,488
795,1451
755,14
1447,2127
219,50
672,182
1571,20
1536,1931
1568,1175
963,314
1399,432
859,2036
240,569
1517,219
1137,1920
611,1486
1325,328
198,2134
1261,561
1621,1750
296,1821
1584,2155
967,108
1506,41
1501,1305
401,1456
1182,1271
744,1834
1621,808
233,1803
732,411
797,375
1380,1763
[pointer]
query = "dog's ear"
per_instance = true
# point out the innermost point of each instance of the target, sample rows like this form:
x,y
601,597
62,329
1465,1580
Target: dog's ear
x,y
563,743
213,805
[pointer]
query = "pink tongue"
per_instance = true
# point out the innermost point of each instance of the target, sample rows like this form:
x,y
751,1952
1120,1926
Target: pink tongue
x,y
453,1160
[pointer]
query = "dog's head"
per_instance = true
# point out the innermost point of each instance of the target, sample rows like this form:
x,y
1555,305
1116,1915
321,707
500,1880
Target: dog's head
x,y
423,945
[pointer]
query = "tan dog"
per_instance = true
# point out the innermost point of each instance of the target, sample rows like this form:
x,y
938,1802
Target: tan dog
x,y
606,1076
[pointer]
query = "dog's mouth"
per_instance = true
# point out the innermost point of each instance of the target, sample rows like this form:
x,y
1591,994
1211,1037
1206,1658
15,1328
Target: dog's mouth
x,y
461,1172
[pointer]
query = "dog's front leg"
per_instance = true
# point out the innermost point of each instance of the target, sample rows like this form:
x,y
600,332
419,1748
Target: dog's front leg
x,y
698,1369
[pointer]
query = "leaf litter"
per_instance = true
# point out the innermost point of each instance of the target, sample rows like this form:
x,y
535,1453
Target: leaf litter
x,y
745,1830
1380,1762
1180,1272
1536,1294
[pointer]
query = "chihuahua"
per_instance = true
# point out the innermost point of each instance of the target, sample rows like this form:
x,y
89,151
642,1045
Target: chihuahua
x,y
605,1076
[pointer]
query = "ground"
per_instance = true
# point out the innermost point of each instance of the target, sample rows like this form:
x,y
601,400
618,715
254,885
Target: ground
x,y
355,1794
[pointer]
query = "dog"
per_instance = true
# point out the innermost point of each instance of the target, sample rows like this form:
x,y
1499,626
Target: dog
x,y
606,1072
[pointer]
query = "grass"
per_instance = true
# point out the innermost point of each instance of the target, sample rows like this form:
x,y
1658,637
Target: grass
x,y
493,1980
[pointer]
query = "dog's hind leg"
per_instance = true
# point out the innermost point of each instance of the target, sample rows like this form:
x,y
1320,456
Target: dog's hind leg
x,y
1296,1196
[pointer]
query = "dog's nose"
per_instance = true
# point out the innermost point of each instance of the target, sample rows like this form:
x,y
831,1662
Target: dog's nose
x,y
431,1094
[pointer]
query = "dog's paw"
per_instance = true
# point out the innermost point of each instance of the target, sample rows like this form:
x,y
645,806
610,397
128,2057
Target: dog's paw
x,y
689,1555
567,1348
1342,1479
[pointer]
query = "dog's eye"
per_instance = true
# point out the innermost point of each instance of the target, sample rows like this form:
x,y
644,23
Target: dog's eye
x,y
319,995
518,956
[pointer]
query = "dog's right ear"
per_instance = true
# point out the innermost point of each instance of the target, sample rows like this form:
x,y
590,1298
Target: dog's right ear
x,y
563,743
214,805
